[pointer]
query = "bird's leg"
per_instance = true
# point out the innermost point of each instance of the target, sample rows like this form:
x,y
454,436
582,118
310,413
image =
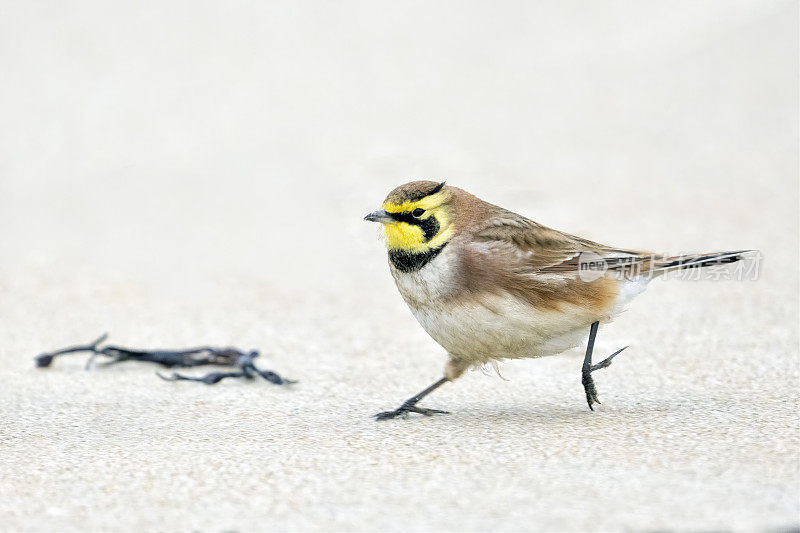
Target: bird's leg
x,y
410,405
588,367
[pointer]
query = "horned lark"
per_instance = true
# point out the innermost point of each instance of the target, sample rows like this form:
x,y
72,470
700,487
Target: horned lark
x,y
488,284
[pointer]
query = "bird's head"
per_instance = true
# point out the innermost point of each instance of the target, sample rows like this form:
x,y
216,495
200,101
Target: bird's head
x,y
417,217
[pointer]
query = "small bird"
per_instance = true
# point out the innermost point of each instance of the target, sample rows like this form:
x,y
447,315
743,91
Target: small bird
x,y
488,284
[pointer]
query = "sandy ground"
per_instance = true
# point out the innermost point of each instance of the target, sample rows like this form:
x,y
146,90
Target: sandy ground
x,y
181,174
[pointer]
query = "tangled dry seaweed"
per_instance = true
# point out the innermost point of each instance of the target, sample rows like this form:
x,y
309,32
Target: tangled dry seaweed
x,y
242,362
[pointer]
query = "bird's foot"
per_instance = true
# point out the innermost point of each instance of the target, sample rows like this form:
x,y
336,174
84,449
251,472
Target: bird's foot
x,y
588,381
408,407
591,391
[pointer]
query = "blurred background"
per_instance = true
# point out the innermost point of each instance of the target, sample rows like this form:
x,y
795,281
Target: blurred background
x,y
183,173
171,142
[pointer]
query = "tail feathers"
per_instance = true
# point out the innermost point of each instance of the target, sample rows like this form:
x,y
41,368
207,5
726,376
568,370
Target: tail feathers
x,y
699,260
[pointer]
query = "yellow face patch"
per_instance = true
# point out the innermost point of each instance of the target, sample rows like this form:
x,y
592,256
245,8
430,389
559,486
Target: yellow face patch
x,y
410,237
403,236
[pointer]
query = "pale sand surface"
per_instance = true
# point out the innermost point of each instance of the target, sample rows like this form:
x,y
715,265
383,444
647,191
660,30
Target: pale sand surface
x,y
175,200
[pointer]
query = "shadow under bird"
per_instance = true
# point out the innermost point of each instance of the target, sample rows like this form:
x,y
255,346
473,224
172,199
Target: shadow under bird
x,y
488,284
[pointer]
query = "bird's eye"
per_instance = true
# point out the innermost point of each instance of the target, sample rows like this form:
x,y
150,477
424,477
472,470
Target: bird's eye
x,y
416,213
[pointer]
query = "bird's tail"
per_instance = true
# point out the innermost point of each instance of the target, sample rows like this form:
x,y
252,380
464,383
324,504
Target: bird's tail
x,y
664,264
629,264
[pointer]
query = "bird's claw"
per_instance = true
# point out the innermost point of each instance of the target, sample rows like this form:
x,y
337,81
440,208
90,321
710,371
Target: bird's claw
x,y
588,382
607,361
591,391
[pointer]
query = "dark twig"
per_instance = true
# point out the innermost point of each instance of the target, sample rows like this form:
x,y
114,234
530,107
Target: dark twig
x,y
209,379
45,359
248,371
200,356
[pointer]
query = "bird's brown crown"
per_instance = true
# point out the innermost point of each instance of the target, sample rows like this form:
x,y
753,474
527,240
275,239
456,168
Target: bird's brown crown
x,y
413,192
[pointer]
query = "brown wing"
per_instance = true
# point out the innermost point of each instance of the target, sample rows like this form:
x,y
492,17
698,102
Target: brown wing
x,y
539,249
509,253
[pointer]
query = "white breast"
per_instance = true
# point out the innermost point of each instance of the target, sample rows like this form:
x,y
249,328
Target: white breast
x,y
430,284
480,328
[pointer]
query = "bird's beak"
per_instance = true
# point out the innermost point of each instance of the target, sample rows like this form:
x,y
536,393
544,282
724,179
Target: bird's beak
x,y
379,216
